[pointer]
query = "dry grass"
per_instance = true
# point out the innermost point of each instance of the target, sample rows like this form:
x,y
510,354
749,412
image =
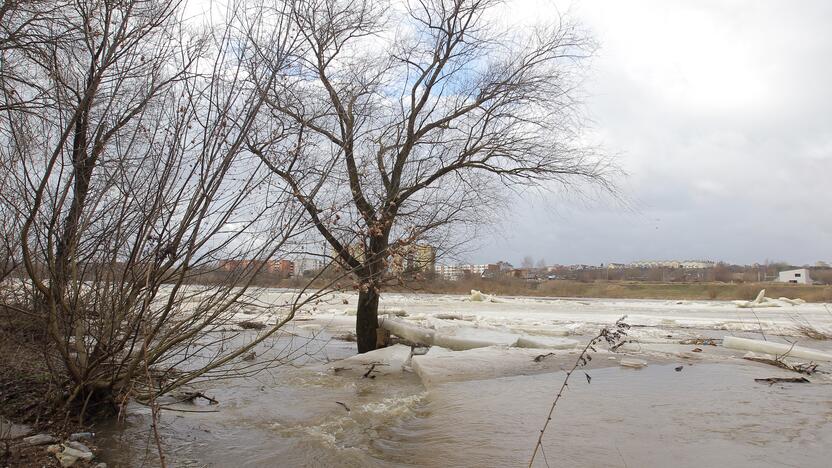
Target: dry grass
x,y
807,329
813,333
626,289
251,325
28,389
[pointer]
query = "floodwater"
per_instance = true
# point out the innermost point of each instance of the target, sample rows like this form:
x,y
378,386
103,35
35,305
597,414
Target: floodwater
x,y
711,412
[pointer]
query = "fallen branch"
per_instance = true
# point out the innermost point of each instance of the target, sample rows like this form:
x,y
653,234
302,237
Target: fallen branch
x,y
344,405
542,357
774,380
806,368
371,370
167,408
191,396
701,341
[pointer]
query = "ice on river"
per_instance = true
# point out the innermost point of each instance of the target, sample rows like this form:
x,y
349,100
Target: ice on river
x,y
481,392
440,365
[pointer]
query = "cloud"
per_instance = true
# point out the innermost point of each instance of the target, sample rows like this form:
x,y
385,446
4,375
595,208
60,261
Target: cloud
x,y
720,113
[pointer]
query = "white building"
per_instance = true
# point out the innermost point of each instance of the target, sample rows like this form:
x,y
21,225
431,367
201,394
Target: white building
x,y
309,264
697,264
450,272
686,264
799,276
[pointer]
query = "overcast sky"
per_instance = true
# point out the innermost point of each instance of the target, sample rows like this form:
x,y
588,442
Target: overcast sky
x,y
721,113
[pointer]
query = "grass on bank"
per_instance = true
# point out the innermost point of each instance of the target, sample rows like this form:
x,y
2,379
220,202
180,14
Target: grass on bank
x,y
626,289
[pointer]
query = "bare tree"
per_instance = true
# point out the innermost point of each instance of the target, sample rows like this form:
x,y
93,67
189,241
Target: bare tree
x,y
409,119
133,182
27,30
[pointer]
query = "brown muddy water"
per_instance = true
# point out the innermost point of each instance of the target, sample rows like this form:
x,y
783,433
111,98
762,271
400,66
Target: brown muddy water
x,y
708,414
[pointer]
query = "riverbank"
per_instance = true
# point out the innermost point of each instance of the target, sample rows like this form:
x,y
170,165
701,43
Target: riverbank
x,y
625,289
602,289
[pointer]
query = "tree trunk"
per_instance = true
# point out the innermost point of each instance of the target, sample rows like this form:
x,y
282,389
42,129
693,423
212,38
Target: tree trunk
x,y
366,320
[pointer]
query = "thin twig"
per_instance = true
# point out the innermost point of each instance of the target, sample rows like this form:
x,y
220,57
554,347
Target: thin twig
x,y
611,337
154,410
759,324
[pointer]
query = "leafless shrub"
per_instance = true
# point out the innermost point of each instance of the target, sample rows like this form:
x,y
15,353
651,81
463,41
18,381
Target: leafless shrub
x,y
130,178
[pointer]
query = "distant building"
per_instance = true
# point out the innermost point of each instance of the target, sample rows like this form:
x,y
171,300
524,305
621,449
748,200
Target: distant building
x,y
355,250
284,267
413,258
450,272
799,276
485,269
422,258
232,265
309,264
684,264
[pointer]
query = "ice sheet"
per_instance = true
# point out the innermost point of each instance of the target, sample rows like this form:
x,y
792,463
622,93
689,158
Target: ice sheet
x,y
481,363
547,342
389,360
779,349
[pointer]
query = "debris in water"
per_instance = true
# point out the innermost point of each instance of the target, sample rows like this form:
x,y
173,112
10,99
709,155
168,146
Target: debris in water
x,y
541,357
697,350
700,341
251,325
370,371
633,363
808,368
679,368
191,396
774,380
344,405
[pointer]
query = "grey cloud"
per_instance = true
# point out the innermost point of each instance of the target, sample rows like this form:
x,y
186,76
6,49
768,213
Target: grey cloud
x,y
728,175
